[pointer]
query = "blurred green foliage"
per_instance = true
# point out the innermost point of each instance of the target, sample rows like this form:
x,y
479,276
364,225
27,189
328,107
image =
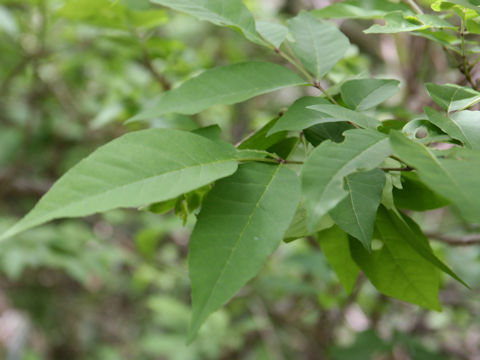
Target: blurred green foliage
x,y
115,286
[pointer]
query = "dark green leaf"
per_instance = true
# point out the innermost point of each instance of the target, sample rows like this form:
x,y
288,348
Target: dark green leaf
x,y
298,117
262,139
356,213
415,195
317,134
396,269
334,244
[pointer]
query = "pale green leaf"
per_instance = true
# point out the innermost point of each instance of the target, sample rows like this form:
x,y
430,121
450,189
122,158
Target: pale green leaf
x,y
341,113
356,213
462,125
318,45
335,245
396,269
441,5
469,122
452,97
455,179
243,220
424,131
134,170
397,22
325,169
298,117
364,94
274,33
232,13
359,9
298,227
223,85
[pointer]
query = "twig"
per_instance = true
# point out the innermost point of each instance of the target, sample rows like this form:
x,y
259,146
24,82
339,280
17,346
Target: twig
x,y
407,168
465,66
415,6
147,62
466,240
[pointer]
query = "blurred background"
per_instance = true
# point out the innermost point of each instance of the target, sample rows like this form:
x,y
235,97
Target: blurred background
x,y
115,286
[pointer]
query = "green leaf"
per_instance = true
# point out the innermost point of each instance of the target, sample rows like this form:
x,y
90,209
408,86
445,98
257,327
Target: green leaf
x,y
334,244
298,227
359,9
211,132
418,241
228,84
298,117
424,131
243,220
262,139
453,97
441,5
325,169
364,94
356,213
317,134
396,269
463,126
341,113
318,45
397,22
232,13
274,33
447,177
104,13
134,170
415,195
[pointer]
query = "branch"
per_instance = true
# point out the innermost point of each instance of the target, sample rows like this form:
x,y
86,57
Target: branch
x,y
467,240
